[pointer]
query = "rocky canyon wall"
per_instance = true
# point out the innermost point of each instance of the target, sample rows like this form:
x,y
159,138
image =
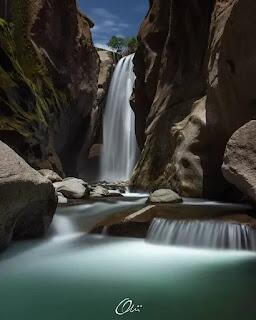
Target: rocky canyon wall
x,y
195,70
48,81
170,66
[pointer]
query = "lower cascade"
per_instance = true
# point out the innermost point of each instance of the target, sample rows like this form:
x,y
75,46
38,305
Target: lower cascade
x,y
210,234
120,148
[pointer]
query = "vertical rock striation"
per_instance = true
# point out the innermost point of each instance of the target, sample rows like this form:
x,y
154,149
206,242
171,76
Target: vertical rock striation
x,y
195,70
88,161
169,98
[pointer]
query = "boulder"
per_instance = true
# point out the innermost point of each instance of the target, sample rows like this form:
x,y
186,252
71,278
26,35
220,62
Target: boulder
x,y
27,199
72,188
164,196
61,198
50,175
99,192
239,165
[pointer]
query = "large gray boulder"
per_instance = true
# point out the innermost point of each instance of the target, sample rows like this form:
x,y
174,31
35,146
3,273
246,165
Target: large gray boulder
x,y
239,164
99,191
27,199
164,196
72,188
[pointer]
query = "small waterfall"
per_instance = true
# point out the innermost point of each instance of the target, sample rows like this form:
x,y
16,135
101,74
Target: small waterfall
x,y
209,234
120,148
62,225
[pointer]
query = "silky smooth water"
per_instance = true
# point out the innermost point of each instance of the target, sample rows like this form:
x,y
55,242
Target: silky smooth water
x,y
120,148
209,234
72,275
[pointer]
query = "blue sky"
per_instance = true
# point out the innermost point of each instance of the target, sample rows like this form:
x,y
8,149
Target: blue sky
x,y
114,17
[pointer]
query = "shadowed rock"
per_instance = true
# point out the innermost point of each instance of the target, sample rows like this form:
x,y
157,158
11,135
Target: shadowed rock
x,y
239,166
27,199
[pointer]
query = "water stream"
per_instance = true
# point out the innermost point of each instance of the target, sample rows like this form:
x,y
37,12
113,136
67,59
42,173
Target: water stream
x,y
73,275
209,234
120,148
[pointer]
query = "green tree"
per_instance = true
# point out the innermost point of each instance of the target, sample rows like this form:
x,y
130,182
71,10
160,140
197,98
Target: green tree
x,y
117,43
123,45
132,44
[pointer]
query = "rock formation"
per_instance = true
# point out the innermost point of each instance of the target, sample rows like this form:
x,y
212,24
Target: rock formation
x,y
72,188
48,81
195,70
239,166
27,199
88,162
164,196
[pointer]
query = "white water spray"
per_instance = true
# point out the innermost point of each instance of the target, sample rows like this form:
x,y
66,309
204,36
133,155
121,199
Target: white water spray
x,y
119,141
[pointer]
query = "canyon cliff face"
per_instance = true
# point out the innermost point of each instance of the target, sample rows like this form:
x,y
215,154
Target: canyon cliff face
x,y
170,66
48,81
195,69
89,159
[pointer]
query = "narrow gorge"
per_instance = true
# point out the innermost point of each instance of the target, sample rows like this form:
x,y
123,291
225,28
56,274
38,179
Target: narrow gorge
x,y
127,159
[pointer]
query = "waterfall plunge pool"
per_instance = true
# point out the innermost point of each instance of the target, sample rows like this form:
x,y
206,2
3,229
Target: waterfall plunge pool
x,y
72,275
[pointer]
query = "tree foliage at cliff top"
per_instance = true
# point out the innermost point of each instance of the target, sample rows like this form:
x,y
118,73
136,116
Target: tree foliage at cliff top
x,y
124,45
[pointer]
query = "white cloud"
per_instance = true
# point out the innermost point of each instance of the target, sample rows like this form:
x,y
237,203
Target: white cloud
x,y
107,24
103,13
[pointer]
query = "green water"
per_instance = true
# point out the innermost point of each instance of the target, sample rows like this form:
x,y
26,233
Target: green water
x,y
78,277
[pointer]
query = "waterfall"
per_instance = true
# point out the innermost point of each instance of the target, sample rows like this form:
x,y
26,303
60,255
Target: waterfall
x,y
210,234
120,148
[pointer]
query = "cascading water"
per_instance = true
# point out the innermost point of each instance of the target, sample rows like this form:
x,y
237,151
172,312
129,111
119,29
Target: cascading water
x,y
120,148
210,234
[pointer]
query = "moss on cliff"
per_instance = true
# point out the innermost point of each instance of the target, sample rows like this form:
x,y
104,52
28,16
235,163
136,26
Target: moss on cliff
x,y
27,95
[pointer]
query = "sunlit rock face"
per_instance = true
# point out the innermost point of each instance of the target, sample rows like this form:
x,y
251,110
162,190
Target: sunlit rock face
x,y
201,57
48,81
